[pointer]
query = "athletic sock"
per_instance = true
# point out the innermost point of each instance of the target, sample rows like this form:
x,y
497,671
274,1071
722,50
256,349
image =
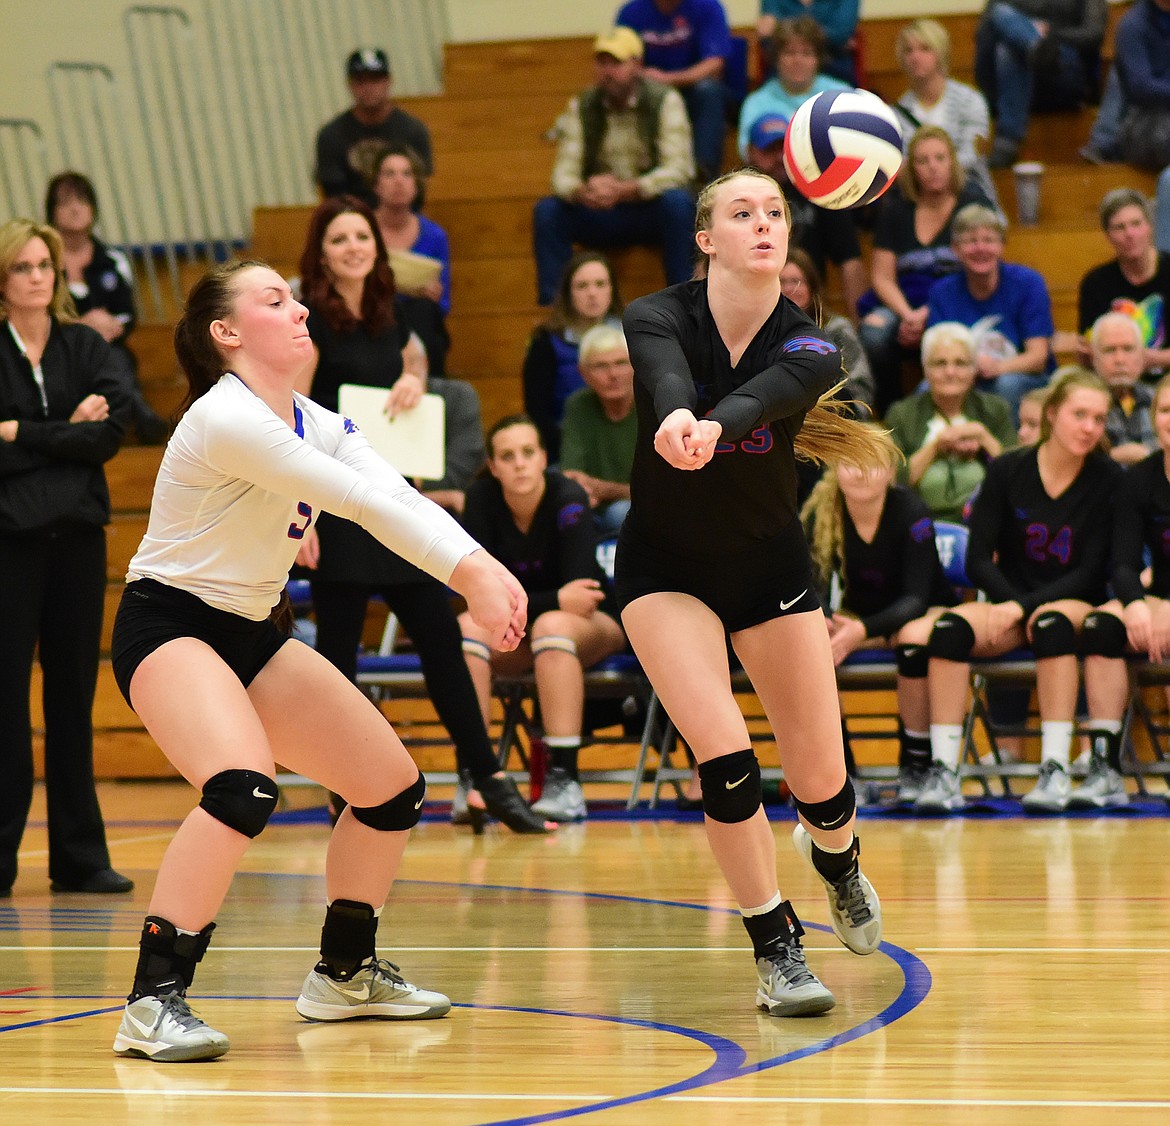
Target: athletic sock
x,y
562,752
1056,741
913,749
1105,739
347,938
946,744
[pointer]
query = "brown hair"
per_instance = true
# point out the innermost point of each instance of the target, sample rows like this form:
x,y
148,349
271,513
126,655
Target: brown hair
x,y
1064,382
412,158
15,235
909,182
506,423
75,183
805,28
830,434
317,287
562,314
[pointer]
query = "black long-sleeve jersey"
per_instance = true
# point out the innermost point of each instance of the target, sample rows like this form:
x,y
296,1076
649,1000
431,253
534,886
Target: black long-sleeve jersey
x,y
559,546
898,576
1028,547
746,495
1141,520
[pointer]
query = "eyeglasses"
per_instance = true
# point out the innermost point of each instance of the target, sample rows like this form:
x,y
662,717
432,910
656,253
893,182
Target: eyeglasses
x,y
25,268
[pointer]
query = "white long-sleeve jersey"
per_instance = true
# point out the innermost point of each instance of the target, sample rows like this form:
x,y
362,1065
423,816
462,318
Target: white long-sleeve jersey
x,y
237,489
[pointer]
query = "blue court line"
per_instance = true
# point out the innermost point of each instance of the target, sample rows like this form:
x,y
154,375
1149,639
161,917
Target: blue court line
x,y
729,1056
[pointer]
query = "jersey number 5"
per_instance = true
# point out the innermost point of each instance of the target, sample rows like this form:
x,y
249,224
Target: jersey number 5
x,y
297,531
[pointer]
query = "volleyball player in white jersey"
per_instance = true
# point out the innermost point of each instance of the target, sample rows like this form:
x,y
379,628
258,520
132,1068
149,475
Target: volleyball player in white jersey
x,y
223,691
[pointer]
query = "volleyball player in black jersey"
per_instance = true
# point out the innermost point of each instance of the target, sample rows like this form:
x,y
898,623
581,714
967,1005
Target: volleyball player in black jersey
x,y
540,523
1039,548
875,540
1138,619
726,371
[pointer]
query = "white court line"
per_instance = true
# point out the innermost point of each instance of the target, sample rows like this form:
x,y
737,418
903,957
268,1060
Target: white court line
x,y
171,1092
575,1097
434,949
110,843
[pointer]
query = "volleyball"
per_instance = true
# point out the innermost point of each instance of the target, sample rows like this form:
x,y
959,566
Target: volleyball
x,y
843,148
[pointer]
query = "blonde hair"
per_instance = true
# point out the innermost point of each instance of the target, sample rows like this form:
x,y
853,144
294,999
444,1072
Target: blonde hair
x,y
829,435
823,517
932,35
15,235
909,182
1064,382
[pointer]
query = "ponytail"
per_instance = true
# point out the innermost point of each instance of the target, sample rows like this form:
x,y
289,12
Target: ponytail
x,y
824,527
831,436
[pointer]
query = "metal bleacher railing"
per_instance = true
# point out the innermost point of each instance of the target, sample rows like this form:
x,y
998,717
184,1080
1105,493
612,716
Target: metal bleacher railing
x,y
210,110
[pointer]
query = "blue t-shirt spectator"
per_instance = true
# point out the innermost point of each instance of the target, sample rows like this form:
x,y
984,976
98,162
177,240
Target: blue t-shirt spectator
x,y
693,31
432,241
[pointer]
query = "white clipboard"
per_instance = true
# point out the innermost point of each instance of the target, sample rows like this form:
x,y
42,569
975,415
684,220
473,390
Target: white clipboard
x,y
412,441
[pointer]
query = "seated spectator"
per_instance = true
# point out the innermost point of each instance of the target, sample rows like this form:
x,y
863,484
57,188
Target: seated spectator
x,y
420,254
687,43
1133,120
1006,306
1116,345
826,235
347,145
800,55
950,431
601,426
923,49
535,521
801,284
1035,54
1031,415
836,18
873,541
586,296
1137,620
1039,550
623,169
101,285
1136,282
399,179
911,250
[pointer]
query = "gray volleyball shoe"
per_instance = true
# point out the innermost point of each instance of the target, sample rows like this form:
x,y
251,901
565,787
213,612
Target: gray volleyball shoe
x,y
165,1029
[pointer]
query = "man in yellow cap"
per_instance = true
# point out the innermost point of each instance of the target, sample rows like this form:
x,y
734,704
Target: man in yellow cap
x,y
623,169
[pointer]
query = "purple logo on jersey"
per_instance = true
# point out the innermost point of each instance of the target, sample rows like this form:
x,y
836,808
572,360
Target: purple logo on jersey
x,y
809,344
570,516
922,530
350,425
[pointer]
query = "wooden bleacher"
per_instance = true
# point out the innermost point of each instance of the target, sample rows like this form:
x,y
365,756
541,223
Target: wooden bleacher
x,y
493,163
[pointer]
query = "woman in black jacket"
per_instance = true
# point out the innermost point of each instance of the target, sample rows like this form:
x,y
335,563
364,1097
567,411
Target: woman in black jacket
x,y
62,415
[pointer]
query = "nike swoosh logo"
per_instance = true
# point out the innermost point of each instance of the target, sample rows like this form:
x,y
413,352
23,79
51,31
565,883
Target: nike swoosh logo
x,y
143,1030
1045,622
732,785
834,823
258,793
362,994
418,804
943,625
794,601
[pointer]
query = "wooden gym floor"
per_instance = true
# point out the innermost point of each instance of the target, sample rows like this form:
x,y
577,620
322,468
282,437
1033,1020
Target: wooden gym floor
x,y
602,974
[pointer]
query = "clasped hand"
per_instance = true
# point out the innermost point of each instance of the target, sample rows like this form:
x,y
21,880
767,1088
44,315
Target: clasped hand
x,y
686,442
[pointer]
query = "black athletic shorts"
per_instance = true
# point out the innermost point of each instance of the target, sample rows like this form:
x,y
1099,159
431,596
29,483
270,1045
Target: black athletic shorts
x,y
742,589
151,614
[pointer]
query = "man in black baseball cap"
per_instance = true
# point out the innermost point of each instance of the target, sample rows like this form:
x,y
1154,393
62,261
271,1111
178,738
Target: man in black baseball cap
x,y
346,146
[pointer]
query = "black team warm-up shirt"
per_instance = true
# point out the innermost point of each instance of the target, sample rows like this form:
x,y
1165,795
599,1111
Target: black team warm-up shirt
x,y
1028,547
1141,519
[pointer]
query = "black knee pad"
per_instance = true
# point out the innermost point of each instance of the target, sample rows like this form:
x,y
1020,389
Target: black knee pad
x,y
1103,635
952,638
241,799
830,814
731,787
401,812
1053,635
913,661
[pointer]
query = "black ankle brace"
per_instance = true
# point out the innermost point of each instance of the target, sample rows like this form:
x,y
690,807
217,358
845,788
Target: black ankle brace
x,y
775,928
347,938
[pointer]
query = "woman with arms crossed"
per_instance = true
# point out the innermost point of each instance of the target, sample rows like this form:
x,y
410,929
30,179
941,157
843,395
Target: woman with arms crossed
x,y
726,370
224,693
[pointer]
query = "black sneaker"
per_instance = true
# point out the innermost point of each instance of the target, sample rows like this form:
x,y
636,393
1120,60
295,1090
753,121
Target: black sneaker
x,y
104,882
